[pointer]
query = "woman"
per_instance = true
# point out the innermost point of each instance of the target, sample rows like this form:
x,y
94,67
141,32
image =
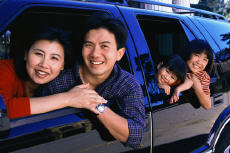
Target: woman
x,y
41,62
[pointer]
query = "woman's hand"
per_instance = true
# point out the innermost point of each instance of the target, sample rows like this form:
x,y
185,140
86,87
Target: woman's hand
x,y
82,97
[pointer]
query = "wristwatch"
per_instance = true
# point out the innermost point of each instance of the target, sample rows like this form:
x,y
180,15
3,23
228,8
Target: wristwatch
x,y
100,108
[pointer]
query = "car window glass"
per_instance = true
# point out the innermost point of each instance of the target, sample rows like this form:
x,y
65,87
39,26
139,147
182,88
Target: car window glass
x,y
221,71
220,33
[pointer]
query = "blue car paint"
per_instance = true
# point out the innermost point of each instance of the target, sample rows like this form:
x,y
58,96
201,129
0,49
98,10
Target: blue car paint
x,y
2,103
201,149
33,127
220,119
30,128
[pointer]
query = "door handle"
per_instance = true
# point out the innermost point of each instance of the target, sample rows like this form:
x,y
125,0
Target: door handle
x,y
218,99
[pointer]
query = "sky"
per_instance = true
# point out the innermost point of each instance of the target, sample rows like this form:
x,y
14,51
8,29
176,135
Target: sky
x,y
194,1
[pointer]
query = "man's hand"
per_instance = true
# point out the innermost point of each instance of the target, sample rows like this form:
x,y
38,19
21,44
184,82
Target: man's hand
x,y
82,97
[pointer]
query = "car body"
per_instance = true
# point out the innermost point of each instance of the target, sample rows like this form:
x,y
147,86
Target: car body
x,y
151,34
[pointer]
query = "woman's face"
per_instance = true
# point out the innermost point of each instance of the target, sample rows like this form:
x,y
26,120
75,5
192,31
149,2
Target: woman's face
x,y
44,61
165,76
197,62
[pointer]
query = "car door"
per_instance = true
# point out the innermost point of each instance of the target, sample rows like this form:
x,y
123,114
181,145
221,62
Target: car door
x,y
69,123
177,125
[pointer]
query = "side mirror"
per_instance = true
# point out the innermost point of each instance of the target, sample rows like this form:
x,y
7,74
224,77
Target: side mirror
x,y
4,120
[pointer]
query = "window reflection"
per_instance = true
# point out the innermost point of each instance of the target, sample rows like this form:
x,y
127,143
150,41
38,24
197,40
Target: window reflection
x,y
4,45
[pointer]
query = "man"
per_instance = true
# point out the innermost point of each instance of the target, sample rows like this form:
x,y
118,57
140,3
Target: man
x,y
123,115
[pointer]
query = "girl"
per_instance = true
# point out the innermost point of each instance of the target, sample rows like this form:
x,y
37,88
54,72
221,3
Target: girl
x,y
199,60
171,71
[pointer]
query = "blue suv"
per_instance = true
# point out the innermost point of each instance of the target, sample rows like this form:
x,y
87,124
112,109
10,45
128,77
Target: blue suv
x,y
152,33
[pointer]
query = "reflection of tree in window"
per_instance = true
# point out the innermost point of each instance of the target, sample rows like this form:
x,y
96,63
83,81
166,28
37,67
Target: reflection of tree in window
x,y
224,54
4,45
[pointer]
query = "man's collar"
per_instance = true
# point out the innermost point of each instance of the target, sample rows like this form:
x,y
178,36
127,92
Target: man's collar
x,y
114,74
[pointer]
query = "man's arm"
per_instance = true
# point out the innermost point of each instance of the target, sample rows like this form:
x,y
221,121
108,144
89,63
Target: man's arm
x,y
126,122
117,125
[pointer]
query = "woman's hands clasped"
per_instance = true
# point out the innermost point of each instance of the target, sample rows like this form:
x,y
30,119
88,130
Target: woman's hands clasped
x,y
82,97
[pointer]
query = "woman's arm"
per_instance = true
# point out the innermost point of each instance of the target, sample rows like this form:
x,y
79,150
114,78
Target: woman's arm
x,y
78,97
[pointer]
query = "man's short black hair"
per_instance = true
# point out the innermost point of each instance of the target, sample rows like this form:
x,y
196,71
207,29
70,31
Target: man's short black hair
x,y
199,46
176,65
46,33
112,24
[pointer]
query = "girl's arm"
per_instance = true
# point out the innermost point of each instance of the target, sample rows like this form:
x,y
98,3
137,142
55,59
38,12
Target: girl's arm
x,y
182,87
165,87
203,98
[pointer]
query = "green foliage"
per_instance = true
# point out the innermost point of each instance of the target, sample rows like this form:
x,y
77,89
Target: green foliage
x,y
217,6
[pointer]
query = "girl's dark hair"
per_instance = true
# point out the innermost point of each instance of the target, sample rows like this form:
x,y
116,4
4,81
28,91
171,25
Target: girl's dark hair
x,y
199,46
48,33
176,65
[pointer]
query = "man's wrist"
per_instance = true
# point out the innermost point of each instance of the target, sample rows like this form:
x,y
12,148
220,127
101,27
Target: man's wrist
x,y
101,108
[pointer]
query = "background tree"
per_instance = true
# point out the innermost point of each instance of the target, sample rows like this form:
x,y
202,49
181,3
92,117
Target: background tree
x,y
217,6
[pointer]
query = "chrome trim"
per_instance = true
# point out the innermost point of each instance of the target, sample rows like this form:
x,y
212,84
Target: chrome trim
x,y
217,129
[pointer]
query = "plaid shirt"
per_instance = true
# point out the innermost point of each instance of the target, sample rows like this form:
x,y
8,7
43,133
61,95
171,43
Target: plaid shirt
x,y
122,91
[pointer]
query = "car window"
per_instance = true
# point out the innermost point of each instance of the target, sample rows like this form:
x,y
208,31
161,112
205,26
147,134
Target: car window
x,y
21,28
164,37
220,33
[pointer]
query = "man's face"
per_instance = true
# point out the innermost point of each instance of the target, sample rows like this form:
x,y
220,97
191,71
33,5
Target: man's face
x,y
100,52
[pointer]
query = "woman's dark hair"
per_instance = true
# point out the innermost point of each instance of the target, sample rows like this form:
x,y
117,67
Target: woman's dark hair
x,y
48,33
176,65
197,47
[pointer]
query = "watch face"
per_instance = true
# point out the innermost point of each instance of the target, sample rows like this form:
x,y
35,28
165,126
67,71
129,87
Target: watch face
x,y
100,108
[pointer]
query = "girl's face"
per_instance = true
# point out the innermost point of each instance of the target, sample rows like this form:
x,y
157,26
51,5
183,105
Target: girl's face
x,y
197,62
165,76
44,61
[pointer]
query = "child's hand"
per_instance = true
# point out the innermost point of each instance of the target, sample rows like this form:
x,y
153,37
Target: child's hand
x,y
175,96
165,87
